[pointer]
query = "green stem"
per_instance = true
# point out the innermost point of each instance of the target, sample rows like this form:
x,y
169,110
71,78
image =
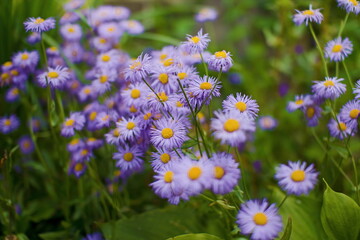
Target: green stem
x,y
343,23
342,172
348,75
282,202
320,50
204,64
61,108
318,139
243,180
356,179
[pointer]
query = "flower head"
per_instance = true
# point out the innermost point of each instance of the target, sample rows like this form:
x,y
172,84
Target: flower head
x,y
76,121
349,5
338,49
267,122
300,102
340,129
55,77
242,104
306,16
129,158
39,24
9,124
220,61
349,113
26,145
71,32
196,44
330,88
139,68
206,14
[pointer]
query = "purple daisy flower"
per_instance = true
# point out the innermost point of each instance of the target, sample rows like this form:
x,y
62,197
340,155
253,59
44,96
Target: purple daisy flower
x,y
312,114
86,93
310,15
196,44
161,101
9,124
120,13
26,145
74,51
349,113
26,60
259,219
356,90
164,79
73,5
55,77
349,5
220,61
75,144
129,158
242,104
231,127
93,143
296,178
300,102
202,89
104,119
267,122
132,27
168,134
76,121
110,30
69,17
71,32
139,68
101,44
339,129
226,173
330,88
34,38
206,14
337,50
12,94
39,24
162,158
103,80
186,74
129,128
35,124
77,168
136,94
81,155
110,59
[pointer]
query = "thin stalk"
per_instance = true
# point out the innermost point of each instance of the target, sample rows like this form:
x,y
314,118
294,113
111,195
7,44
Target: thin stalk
x,y
342,172
320,50
282,202
61,108
356,179
204,64
318,139
243,174
343,23
348,75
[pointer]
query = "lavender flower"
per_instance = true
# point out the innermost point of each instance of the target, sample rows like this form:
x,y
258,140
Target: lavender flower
x,y
9,124
196,44
331,88
55,77
76,121
310,15
337,50
242,104
339,129
349,6
206,14
39,24
220,61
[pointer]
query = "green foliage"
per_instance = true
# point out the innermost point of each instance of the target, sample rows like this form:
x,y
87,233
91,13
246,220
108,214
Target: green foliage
x,y
199,236
287,233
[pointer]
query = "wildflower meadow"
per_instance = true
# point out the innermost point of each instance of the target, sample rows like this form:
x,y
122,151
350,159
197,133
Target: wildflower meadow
x,y
179,120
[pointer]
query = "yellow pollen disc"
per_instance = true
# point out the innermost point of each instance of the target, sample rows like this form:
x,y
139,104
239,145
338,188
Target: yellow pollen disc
x,y
15,91
299,102
241,106
130,125
133,109
168,176
200,115
231,125
79,167
308,12
163,78
179,104
24,56
92,116
71,29
310,111
116,132
182,75
147,116
53,74
105,118
84,152
354,113
167,133
205,86
7,122
342,126
163,97
218,172
5,76
298,175
53,49
194,173
165,157
75,85
163,56
105,58
8,64
14,72
135,93
337,48
329,83
69,122
39,20
111,29
117,173
87,90
128,156
102,40
158,116
75,141
221,54
168,62
91,139
103,78
195,39
260,218
355,3
135,65
26,144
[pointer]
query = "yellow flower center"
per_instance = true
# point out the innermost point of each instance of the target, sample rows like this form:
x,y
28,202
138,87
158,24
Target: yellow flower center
x,y
15,91
200,115
130,125
163,78
221,54
105,118
168,176
195,39
75,141
5,76
117,173
218,172
355,3
133,109
128,156
205,85
179,104
165,157
39,20
354,113
231,125
69,122
14,72
102,40
167,133
116,132
163,56
147,116
298,175
53,74
26,144
299,102
111,29
91,139
53,49
135,93
8,64
92,116
105,58
260,218
182,75
342,126
241,106
337,48
7,122
329,83
194,173
168,62
310,111
135,65
84,152
71,29
79,167
87,90
163,97
24,56
308,12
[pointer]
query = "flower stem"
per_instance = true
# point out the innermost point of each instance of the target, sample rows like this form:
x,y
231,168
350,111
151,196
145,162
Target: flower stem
x,y
343,23
243,180
282,202
320,50
348,75
204,64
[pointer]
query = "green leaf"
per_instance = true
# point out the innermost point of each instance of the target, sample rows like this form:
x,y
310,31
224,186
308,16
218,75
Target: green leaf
x,y
22,236
287,232
340,215
54,235
189,143
199,236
